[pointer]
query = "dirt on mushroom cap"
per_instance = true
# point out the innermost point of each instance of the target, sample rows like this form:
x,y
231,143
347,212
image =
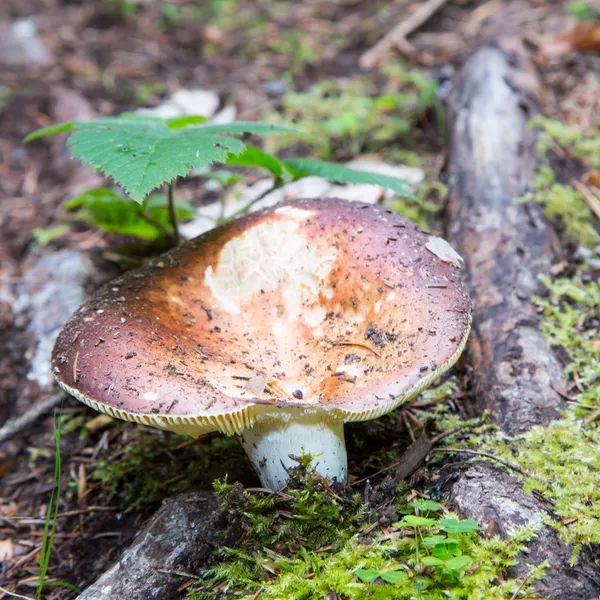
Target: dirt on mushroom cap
x,y
284,295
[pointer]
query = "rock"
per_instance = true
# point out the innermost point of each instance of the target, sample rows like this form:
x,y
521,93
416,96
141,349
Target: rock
x,y
274,88
226,115
52,288
21,46
186,102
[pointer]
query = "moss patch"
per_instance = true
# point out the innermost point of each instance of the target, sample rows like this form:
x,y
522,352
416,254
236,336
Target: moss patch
x,y
347,117
566,152
152,465
565,207
310,540
564,456
581,143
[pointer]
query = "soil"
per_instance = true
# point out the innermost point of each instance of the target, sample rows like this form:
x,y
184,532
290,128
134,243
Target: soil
x,y
103,58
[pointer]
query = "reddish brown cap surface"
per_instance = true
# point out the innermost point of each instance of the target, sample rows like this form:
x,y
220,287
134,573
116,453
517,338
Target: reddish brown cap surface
x,y
321,304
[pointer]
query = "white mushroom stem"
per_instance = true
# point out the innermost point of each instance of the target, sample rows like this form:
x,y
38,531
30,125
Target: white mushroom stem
x,y
270,443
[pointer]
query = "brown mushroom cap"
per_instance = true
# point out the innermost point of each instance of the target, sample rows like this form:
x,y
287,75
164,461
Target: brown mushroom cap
x,y
312,305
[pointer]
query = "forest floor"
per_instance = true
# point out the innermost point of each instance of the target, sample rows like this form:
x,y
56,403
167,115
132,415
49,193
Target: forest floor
x,y
295,62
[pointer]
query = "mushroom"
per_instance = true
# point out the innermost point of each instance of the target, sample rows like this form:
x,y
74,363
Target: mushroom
x,y
279,327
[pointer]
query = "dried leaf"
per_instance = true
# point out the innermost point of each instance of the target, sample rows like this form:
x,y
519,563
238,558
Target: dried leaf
x,y
98,423
444,251
256,385
7,550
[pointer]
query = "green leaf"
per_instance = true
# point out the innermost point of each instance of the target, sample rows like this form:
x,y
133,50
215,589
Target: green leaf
x,y
254,158
432,561
222,176
180,122
453,548
109,211
53,129
241,127
141,156
366,576
334,172
458,563
141,152
456,526
426,505
46,236
414,521
442,553
393,576
435,540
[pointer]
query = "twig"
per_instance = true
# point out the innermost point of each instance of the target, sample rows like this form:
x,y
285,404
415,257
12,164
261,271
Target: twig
x,y
384,470
441,436
13,595
523,584
172,211
582,405
592,417
358,345
17,425
178,574
397,36
506,463
152,221
259,490
242,211
409,462
591,200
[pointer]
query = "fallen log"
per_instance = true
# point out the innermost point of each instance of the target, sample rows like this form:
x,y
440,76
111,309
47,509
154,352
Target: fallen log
x,y
172,545
506,246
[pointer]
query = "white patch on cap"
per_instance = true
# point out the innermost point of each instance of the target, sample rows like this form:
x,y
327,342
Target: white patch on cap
x,y
296,213
444,251
268,256
350,370
150,396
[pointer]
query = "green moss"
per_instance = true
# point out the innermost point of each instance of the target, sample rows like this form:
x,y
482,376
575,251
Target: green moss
x,y
564,456
423,212
582,143
310,540
568,308
565,207
153,465
346,117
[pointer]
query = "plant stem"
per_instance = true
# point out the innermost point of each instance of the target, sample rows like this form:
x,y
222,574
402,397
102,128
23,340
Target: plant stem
x,y
276,185
172,212
165,232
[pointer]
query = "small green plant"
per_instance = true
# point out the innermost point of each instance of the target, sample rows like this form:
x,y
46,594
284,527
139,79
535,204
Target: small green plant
x,y
344,118
582,11
109,211
442,552
309,540
154,465
51,512
142,153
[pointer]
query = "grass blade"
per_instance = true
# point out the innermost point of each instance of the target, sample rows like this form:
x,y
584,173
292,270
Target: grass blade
x,y
52,512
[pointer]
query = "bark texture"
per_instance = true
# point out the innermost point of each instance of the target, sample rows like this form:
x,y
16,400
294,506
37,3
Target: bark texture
x,y
177,539
506,245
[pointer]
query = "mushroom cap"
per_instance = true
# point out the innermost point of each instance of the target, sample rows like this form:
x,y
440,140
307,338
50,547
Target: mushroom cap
x,y
311,305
